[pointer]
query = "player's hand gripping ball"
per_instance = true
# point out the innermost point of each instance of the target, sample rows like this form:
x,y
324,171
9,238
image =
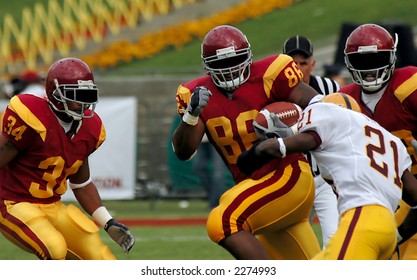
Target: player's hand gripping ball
x,y
278,119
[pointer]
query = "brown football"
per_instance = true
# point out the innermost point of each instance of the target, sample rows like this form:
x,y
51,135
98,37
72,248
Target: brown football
x,y
287,112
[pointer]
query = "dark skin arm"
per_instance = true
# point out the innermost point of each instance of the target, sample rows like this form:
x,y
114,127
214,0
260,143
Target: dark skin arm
x,y
187,138
299,143
7,151
87,196
262,152
302,94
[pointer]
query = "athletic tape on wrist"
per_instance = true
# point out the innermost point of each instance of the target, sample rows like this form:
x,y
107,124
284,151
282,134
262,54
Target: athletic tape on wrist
x,y
282,147
189,119
101,216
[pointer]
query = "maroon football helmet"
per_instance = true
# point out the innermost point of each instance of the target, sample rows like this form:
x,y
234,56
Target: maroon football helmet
x,y
71,80
227,56
370,56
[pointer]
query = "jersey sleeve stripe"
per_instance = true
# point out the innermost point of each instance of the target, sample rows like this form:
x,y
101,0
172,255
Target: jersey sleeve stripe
x,y
27,116
276,67
406,88
102,136
183,98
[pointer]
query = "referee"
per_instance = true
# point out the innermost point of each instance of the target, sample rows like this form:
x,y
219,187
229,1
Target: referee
x,y
325,202
301,50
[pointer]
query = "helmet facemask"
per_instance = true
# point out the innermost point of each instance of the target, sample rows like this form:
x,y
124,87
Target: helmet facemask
x,y
371,67
229,68
85,94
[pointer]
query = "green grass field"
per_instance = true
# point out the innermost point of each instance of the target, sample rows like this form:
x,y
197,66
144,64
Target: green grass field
x,y
153,242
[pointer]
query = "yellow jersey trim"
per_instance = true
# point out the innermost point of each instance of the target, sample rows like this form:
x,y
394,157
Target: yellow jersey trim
x,y
27,116
406,88
273,71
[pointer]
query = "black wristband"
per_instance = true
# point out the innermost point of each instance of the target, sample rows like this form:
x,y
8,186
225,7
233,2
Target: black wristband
x,y
248,162
108,224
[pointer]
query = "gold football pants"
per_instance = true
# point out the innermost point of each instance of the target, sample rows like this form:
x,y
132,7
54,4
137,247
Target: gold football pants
x,y
275,208
52,231
364,233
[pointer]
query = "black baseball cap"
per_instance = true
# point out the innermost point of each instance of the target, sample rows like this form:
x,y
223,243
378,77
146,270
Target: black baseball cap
x,y
298,44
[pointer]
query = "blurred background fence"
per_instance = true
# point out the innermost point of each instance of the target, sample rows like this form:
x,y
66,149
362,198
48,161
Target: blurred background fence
x,y
58,27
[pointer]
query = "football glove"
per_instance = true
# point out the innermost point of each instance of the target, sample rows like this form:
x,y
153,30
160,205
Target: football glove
x,y
199,100
279,129
120,234
264,133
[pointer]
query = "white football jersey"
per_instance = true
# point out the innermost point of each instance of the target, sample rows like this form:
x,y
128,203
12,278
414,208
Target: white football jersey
x,y
363,160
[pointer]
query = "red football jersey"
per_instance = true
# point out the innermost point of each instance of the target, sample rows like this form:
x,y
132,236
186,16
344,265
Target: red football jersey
x,y
396,111
46,155
228,121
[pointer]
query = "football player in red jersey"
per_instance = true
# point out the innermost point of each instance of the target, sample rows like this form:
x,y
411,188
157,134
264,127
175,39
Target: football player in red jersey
x,y
275,201
386,94
44,143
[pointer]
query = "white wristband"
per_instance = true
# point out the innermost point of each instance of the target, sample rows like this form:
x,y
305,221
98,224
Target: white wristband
x,y
101,216
189,119
78,186
282,147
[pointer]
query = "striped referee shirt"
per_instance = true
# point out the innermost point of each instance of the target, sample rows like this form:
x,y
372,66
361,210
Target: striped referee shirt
x,y
324,85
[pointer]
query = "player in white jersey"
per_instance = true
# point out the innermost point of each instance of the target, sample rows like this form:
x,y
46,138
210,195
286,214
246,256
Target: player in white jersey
x,y
366,165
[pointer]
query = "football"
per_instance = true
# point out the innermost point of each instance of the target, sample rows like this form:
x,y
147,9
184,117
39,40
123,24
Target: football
x,y
287,112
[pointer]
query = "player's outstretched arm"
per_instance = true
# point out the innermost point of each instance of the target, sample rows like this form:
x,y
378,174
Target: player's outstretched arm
x,y
262,152
87,195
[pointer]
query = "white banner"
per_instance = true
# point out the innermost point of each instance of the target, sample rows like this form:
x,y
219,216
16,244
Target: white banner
x,y
113,165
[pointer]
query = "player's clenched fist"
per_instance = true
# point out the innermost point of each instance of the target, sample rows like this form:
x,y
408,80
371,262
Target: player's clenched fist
x,y
199,100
